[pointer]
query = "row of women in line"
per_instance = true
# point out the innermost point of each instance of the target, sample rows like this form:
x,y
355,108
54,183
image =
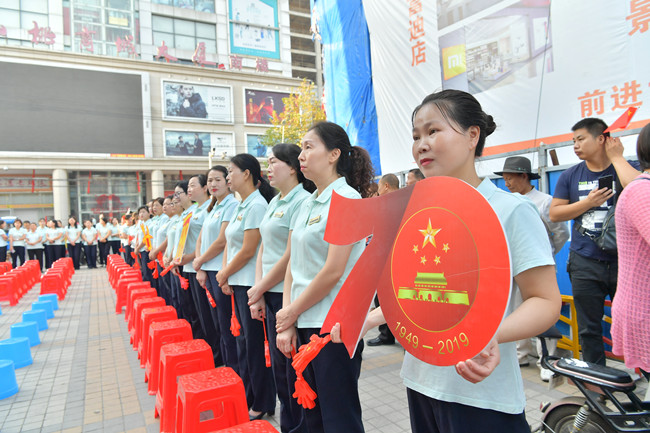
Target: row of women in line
x,y
51,240
265,257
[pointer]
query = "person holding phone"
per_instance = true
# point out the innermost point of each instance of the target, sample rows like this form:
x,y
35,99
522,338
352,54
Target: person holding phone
x,y
583,194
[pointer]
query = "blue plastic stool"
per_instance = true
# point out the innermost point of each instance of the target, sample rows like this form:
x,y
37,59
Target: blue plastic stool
x,y
44,305
50,297
26,329
38,316
17,350
8,384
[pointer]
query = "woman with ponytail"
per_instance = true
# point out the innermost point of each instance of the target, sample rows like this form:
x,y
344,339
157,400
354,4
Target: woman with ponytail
x,y
316,272
265,297
197,190
209,260
173,231
238,275
187,194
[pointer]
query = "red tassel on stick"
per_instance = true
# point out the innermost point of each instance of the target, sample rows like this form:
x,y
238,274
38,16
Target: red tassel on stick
x,y
151,265
122,250
234,323
267,352
210,298
155,272
185,283
304,394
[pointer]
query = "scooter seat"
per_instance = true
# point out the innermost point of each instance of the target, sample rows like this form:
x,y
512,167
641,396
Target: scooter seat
x,y
594,373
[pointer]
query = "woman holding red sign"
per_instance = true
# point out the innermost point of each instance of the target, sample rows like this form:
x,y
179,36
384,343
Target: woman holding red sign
x,y
316,272
485,393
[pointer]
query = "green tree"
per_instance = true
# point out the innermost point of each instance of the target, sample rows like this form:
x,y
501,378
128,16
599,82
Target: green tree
x,y
301,109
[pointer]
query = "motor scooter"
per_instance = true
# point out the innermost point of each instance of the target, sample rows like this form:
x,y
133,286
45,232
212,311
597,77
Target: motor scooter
x,y
608,405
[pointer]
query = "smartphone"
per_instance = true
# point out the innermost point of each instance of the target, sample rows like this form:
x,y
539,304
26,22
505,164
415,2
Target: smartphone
x,y
606,182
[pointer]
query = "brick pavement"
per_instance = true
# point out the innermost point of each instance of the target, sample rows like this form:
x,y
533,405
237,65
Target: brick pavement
x,y
86,377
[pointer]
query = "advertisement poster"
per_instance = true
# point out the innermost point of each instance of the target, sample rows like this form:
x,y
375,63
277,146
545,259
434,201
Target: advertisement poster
x,y
254,28
255,147
198,143
536,66
196,102
262,106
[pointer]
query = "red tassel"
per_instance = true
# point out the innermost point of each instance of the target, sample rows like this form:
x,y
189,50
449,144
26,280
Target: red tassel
x,y
267,352
155,273
133,255
122,250
210,298
234,323
151,265
185,283
160,259
304,394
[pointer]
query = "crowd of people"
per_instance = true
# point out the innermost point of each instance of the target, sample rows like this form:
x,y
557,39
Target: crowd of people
x,y
49,240
261,257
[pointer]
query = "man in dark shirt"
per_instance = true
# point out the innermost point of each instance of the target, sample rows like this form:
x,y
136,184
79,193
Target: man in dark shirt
x,y
592,271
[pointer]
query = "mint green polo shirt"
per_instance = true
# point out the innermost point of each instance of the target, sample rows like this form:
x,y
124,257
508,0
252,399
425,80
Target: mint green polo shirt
x,y
196,222
309,250
221,212
16,234
160,231
278,221
248,216
32,236
73,234
90,234
172,234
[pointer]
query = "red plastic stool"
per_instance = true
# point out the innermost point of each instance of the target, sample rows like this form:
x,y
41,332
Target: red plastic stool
x,y
122,283
161,333
134,295
130,287
259,426
147,318
219,390
177,359
139,305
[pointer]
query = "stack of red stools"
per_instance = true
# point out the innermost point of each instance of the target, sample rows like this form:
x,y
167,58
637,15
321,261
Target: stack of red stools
x,y
57,279
219,390
178,368
14,283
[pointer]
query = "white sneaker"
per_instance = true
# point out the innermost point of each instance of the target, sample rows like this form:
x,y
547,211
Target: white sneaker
x,y
545,374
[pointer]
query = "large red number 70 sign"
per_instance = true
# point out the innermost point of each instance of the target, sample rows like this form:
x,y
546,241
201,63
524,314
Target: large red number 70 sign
x,y
438,260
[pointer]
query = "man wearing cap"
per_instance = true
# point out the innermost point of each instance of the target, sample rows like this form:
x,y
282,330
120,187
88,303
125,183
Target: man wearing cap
x,y
517,174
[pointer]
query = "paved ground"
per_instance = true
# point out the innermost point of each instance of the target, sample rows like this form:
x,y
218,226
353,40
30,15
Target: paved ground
x,y
86,377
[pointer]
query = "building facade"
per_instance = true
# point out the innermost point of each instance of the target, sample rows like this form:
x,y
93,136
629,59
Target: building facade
x,y
106,103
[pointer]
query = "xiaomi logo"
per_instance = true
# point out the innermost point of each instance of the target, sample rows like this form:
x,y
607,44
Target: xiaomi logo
x,y
453,61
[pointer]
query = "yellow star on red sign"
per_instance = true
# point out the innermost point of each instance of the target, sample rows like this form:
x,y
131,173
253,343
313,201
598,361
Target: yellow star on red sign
x,y
437,260
445,247
415,249
429,234
423,260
